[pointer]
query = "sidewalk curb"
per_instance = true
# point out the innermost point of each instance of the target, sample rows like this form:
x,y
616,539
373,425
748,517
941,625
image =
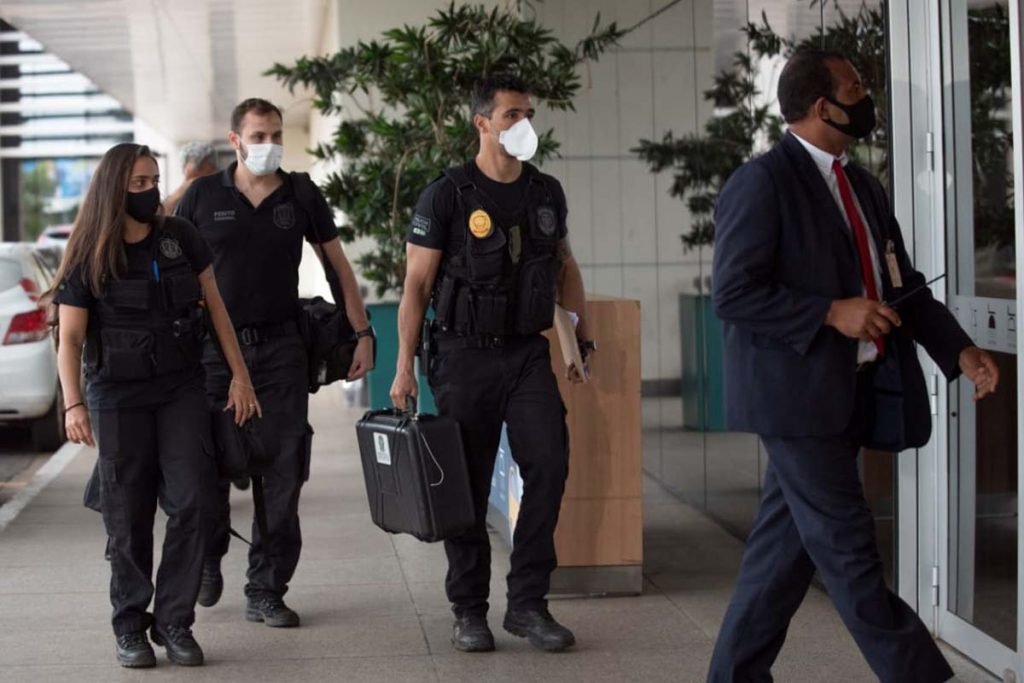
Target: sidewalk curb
x,y
40,480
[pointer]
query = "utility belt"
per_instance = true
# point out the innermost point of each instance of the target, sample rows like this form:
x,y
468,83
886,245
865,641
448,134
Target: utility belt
x,y
255,335
434,340
448,343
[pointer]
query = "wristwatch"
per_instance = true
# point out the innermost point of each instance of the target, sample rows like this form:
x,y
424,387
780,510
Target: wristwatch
x,y
368,332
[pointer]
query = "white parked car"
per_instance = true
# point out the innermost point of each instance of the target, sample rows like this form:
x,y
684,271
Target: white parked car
x,y
29,390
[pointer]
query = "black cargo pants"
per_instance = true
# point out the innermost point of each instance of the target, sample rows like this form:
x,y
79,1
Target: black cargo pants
x,y
278,368
481,388
161,453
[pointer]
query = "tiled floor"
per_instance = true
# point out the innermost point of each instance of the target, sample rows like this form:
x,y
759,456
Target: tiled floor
x,y
373,607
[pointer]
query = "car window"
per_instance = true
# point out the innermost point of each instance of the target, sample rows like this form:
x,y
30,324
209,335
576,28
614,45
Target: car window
x,y
10,273
41,273
48,262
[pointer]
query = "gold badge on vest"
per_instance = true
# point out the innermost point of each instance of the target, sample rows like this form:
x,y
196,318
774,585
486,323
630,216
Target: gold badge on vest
x,y
480,224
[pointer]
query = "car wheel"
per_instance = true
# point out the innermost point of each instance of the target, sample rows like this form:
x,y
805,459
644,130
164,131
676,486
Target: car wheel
x,y
48,431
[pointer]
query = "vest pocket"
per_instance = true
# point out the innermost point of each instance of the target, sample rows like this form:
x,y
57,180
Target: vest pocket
x,y
486,257
129,295
126,354
490,312
183,290
535,305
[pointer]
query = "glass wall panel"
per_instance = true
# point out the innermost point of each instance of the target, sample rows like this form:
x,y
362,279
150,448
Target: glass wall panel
x,y
980,209
733,102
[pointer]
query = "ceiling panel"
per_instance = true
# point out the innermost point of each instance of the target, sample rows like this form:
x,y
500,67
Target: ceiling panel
x,y
178,65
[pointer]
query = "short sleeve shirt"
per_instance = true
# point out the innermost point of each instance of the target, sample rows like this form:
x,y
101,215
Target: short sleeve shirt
x,y
257,250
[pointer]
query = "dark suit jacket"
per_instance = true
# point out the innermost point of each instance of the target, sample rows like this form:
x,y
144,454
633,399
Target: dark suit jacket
x,y
783,252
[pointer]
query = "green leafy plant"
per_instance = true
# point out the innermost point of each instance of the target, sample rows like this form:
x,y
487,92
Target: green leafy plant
x,y
702,162
745,123
404,100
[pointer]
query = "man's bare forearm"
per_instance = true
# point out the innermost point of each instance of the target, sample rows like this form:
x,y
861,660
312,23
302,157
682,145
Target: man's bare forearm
x,y
411,312
572,294
355,308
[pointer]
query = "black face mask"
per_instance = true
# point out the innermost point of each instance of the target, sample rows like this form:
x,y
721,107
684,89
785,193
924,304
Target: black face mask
x,y
861,115
142,206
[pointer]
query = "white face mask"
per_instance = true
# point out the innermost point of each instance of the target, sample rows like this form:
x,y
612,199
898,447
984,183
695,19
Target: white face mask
x,y
520,140
263,159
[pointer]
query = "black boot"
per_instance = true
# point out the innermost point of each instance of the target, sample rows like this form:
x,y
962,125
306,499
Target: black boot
x,y
212,584
540,628
472,634
134,651
182,648
272,611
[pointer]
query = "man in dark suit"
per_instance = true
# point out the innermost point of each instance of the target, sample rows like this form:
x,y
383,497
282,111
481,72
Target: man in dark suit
x,y
807,252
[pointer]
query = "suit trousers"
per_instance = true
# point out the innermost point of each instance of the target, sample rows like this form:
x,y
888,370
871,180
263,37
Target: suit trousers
x,y
814,516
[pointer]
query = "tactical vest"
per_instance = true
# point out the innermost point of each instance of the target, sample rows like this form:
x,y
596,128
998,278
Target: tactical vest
x,y
140,329
481,290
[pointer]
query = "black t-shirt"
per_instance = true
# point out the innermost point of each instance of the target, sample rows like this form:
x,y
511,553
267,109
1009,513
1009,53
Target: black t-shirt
x,y
256,251
74,291
437,208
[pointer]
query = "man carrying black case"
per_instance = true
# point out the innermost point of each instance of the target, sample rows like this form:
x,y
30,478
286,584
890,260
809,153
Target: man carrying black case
x,y
488,247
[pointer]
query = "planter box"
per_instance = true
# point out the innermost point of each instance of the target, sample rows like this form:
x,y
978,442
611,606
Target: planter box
x,y
385,322
703,390
599,538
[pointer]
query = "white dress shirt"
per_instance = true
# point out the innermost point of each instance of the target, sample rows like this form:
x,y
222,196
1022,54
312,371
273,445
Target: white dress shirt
x,y
866,351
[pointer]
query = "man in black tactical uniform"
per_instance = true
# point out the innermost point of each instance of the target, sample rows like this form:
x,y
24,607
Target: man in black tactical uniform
x,y
488,248
254,218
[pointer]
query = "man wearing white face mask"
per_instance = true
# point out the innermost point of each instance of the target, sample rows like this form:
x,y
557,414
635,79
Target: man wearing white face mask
x,y
488,248
254,217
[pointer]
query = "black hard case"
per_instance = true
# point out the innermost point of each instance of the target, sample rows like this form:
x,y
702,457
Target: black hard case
x,y
416,476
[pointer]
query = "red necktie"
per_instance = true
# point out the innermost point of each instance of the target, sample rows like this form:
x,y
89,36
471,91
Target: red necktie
x,y
860,236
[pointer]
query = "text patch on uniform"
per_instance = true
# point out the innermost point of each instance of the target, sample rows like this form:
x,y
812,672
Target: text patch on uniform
x,y
420,225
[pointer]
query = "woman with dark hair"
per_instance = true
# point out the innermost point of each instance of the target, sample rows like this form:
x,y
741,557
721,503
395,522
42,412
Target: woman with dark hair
x,y
129,294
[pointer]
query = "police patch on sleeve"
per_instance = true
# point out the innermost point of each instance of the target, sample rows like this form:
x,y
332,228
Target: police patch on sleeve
x,y
420,225
547,221
170,247
480,224
284,216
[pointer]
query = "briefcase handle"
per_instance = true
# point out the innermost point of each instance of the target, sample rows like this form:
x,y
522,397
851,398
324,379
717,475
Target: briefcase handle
x,y
409,412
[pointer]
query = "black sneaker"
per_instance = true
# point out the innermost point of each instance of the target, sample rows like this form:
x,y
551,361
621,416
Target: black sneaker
x,y
212,584
134,651
472,634
272,611
540,628
182,648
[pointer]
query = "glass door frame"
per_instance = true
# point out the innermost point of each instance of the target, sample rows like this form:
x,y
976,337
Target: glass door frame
x,y
912,175
920,72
